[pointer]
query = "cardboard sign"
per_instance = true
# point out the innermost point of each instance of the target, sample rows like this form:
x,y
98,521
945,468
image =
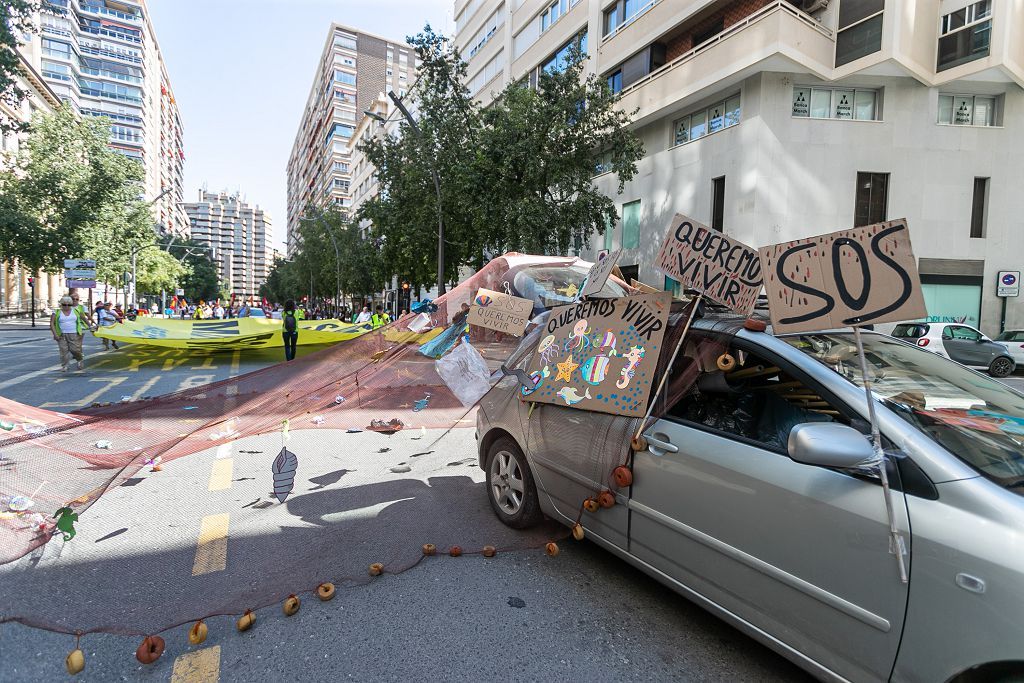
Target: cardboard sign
x,y
600,354
501,312
641,287
599,272
862,276
726,270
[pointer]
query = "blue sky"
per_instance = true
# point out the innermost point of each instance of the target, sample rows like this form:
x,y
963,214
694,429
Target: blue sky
x,y
241,71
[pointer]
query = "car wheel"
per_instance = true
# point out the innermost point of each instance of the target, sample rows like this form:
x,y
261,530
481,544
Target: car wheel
x,y
510,486
1001,367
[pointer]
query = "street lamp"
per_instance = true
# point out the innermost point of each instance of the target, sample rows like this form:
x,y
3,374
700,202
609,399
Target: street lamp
x,y
437,187
337,261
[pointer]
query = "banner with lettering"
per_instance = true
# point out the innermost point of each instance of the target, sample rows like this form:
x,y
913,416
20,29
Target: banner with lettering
x,y
600,354
501,312
726,270
861,276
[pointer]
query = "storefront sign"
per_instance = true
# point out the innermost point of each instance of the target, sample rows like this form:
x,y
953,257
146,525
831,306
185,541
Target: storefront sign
x,y
1009,283
599,272
801,103
726,270
852,277
600,354
500,312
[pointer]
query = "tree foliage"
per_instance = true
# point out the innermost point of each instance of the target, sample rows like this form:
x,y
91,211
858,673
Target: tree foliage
x,y
200,280
514,177
20,19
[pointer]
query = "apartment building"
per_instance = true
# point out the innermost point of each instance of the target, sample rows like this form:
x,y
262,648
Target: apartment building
x,y
354,70
240,237
103,59
15,293
774,120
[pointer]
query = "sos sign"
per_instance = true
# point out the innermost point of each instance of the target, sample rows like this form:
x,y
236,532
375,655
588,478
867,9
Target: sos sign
x,y
862,276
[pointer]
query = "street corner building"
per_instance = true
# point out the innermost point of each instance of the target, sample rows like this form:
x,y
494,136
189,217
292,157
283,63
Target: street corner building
x,y
773,120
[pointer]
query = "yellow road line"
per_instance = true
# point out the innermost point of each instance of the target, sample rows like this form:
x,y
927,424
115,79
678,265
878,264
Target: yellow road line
x,y
212,547
145,387
200,666
110,383
220,475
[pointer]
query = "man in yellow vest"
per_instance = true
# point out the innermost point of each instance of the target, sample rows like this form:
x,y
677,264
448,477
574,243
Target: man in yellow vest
x,y
379,318
68,324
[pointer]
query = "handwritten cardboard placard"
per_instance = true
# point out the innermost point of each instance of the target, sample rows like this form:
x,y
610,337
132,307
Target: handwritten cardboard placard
x,y
641,287
599,272
501,312
726,270
861,276
600,354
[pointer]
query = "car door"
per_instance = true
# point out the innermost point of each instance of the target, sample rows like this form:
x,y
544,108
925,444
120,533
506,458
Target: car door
x,y
963,344
573,453
800,552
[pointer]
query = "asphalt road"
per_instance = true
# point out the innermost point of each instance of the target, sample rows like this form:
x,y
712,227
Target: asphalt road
x,y
204,536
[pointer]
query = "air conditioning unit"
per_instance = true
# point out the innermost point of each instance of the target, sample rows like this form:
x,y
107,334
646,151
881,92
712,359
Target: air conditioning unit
x,y
811,6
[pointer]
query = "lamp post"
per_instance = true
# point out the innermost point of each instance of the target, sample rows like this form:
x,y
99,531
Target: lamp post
x,y
150,203
337,262
437,188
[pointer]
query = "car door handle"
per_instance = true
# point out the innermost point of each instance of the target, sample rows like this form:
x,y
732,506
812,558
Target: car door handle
x,y
665,446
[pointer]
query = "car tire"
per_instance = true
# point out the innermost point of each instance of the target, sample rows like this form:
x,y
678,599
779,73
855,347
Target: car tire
x,y
1001,367
510,486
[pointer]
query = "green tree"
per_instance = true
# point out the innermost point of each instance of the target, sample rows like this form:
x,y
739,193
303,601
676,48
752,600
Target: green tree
x,y
200,279
157,270
20,20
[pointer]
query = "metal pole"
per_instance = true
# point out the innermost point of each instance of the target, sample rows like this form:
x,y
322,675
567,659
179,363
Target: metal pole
x,y
134,254
32,299
437,189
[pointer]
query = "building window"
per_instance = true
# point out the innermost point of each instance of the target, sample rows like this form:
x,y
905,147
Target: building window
x,y
979,207
344,77
965,35
553,13
604,163
631,225
558,62
623,12
835,103
967,110
347,42
615,81
719,116
860,29
718,203
872,198
609,233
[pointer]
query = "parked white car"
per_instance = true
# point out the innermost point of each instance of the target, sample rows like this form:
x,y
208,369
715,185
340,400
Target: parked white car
x,y
1013,340
962,343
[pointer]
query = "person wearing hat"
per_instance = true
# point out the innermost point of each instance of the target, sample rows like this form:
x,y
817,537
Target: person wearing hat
x,y
106,318
68,324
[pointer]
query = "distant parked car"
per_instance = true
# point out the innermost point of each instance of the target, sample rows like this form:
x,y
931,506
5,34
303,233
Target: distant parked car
x,y
961,343
257,312
1013,340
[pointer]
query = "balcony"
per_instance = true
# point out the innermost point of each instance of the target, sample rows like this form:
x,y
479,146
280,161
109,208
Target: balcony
x,y
107,12
777,37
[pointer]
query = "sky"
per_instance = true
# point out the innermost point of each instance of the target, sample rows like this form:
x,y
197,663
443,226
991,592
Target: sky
x,y
241,71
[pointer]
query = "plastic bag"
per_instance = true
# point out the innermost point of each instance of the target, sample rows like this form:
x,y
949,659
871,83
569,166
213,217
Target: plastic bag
x,y
465,372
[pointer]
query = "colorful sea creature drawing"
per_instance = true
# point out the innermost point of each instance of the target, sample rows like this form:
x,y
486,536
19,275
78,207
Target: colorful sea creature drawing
x,y
570,290
633,358
565,370
421,404
578,339
66,518
608,342
595,369
483,301
547,349
283,470
571,396
536,379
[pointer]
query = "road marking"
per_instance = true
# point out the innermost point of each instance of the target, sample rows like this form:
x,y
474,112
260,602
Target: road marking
x,y
207,364
145,387
233,389
171,363
135,363
21,379
194,381
212,547
223,450
220,475
201,666
110,383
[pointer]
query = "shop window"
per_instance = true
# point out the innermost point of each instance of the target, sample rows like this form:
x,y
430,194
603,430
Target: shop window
x,y
835,103
872,198
719,116
979,207
967,110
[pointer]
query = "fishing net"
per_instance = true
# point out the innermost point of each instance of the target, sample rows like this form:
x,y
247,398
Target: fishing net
x,y
384,462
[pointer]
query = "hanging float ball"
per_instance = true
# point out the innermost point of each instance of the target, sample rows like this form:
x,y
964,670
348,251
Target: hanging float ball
x,y
291,605
490,551
325,591
551,548
455,551
246,621
75,662
606,499
623,476
577,532
150,649
429,549
591,505
376,569
197,634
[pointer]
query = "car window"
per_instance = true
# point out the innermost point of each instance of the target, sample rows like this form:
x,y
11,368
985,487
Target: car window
x,y
554,285
977,419
909,331
961,332
754,401
1011,336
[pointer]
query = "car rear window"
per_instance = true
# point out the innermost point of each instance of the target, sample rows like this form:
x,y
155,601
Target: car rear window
x,y
910,331
1011,336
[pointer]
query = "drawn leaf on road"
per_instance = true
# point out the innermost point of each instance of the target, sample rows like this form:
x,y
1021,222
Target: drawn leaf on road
x,y
284,468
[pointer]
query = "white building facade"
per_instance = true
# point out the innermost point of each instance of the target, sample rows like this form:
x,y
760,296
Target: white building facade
x,y
775,120
240,238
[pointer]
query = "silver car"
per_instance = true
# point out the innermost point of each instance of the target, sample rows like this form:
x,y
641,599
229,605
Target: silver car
x,y
755,497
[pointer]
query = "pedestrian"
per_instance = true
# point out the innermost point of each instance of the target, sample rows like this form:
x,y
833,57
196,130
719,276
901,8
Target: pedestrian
x,y
218,312
290,331
364,315
68,325
244,311
379,318
106,318
80,307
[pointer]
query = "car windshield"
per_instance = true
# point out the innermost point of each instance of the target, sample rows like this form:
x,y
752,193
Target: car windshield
x,y
556,285
977,419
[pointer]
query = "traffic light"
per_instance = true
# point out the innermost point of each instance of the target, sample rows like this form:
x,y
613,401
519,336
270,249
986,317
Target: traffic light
x,y
32,282
405,286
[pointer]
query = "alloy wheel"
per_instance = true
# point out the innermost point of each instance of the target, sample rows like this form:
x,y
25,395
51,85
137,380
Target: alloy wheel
x,y
507,483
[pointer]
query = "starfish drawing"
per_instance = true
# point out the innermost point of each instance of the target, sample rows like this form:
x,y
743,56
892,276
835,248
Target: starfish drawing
x,y
570,290
565,369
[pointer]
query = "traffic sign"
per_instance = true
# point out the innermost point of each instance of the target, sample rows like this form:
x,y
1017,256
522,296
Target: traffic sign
x,y
80,274
81,284
1008,283
80,263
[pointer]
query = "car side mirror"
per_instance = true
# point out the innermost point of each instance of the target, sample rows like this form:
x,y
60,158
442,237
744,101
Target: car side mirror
x,y
828,444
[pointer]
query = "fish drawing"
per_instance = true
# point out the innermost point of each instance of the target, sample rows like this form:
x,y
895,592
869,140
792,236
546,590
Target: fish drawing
x,y
571,396
421,404
284,468
595,369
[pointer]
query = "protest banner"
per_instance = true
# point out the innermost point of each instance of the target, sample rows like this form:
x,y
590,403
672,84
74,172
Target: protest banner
x,y
600,354
599,272
500,312
861,276
727,271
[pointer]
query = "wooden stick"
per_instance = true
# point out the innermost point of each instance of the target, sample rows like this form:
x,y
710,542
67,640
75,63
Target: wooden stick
x,y
755,371
784,385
